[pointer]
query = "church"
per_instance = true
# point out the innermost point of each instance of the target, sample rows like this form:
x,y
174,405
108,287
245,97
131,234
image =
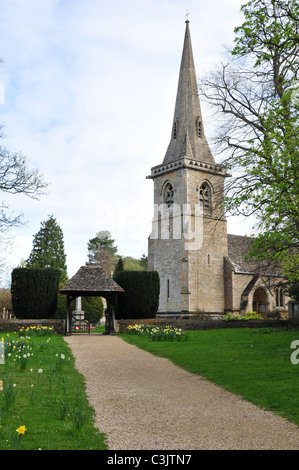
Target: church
x,y
202,268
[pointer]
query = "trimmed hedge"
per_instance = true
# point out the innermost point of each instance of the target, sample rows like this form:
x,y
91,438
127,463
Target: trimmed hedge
x,y
141,296
34,292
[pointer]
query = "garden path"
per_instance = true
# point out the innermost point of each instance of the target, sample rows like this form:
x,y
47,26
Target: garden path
x,y
144,402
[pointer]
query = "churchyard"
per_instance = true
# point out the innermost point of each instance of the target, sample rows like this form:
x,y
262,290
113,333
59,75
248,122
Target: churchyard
x,y
43,402
260,364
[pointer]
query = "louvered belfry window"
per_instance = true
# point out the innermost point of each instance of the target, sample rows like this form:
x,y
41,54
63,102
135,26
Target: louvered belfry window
x,y
205,196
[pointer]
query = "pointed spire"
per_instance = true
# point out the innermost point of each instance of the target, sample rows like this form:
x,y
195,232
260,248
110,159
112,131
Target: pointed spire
x,y
187,137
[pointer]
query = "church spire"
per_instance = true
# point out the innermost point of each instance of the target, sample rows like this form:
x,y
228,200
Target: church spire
x,y
187,137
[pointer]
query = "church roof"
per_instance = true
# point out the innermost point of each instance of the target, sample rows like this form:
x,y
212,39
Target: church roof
x,y
90,280
238,248
187,137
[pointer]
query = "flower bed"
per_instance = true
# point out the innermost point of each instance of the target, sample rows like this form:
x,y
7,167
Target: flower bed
x,y
155,333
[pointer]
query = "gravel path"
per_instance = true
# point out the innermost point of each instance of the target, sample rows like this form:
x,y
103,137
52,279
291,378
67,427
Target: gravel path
x,y
143,402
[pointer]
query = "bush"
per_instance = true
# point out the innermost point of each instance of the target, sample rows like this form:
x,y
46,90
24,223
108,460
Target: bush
x,y
34,292
248,316
232,316
274,315
253,316
141,296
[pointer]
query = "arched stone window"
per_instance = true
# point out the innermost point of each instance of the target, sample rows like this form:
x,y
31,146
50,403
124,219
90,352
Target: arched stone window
x,y
168,195
205,196
279,298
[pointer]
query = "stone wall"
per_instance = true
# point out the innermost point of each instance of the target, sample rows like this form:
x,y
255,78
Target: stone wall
x,y
15,324
121,326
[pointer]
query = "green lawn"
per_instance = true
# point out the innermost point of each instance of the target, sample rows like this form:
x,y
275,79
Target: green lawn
x,y
254,363
45,393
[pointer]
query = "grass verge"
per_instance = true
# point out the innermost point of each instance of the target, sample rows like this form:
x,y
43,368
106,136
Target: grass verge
x,y
41,390
254,363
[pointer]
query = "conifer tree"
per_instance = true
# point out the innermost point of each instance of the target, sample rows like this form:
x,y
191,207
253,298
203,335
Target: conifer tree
x,y
119,266
101,251
48,248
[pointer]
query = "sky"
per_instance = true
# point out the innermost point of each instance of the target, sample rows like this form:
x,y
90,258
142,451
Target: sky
x,y
87,94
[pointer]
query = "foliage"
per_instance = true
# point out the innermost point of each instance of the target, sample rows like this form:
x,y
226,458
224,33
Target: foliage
x,y
248,316
46,402
255,96
101,250
34,292
253,316
156,333
143,261
232,316
141,296
291,273
48,248
133,264
251,362
119,266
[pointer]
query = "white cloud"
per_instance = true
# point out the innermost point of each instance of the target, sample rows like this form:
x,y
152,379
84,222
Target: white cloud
x,y
89,95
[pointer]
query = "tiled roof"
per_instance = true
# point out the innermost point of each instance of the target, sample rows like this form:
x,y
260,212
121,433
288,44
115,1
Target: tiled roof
x,y
90,280
238,248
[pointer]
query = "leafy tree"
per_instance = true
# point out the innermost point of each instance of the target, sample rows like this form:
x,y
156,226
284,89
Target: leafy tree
x,y
132,264
48,248
255,97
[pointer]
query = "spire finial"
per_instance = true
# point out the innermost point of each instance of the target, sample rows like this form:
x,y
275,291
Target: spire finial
x,y
187,15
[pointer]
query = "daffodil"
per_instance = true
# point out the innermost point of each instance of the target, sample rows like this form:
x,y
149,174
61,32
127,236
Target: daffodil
x,y
21,430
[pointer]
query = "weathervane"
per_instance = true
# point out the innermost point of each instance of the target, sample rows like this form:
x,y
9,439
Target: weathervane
x,y
187,15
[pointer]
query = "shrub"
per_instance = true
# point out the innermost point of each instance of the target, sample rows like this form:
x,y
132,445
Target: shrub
x,y
253,316
232,316
34,292
248,316
141,296
274,315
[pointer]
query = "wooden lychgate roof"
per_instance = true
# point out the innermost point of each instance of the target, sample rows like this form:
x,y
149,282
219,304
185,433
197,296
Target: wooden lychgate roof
x,y
91,280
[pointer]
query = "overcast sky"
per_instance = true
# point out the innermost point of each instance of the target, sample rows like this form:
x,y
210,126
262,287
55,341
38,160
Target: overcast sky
x,y
87,93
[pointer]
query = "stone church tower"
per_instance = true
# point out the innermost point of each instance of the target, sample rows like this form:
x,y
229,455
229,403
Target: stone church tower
x,y
188,243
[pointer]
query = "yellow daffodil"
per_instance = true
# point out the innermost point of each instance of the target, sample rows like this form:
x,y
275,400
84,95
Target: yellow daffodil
x,y
21,430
